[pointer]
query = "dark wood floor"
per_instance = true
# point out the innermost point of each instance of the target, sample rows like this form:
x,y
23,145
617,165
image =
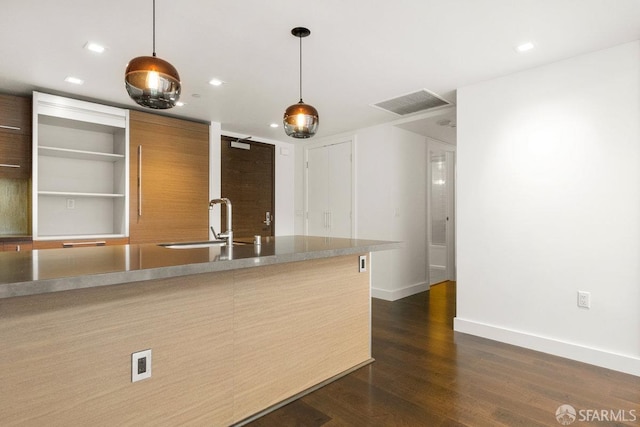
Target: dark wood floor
x,y
427,375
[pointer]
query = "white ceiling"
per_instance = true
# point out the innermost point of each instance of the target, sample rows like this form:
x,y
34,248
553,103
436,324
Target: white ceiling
x,y
360,52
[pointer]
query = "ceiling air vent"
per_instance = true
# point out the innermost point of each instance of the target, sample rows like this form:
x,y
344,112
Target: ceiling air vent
x,y
412,103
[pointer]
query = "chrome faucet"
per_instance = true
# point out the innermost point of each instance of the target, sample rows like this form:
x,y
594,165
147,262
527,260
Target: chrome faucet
x,y
227,235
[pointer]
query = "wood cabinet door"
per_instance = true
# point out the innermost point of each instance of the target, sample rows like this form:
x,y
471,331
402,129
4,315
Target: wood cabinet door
x,y
19,246
15,137
77,243
247,171
169,181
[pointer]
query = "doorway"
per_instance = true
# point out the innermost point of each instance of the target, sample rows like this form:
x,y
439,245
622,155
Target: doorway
x,y
441,212
248,176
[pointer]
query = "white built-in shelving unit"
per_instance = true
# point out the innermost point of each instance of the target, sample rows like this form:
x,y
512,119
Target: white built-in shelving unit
x,y
80,169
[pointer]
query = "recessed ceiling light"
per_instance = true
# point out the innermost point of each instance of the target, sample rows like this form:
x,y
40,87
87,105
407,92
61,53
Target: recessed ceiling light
x,y
525,47
215,82
94,47
74,80
274,125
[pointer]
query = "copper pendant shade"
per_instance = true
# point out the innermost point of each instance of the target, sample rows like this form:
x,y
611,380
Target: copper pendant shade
x,y
152,82
300,120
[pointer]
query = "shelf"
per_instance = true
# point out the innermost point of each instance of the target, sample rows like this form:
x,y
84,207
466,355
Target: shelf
x,y
80,182
74,194
78,154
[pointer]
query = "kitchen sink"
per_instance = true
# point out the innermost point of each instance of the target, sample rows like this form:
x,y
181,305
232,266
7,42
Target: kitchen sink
x,y
203,244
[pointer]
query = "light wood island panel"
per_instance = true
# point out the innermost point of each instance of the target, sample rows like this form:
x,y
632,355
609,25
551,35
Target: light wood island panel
x,y
66,357
296,325
225,345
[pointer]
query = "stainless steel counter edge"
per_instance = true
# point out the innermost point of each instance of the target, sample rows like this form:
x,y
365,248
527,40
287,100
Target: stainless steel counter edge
x,y
147,262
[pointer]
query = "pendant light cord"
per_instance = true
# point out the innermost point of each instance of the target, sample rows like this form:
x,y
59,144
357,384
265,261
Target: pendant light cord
x,y
154,27
300,37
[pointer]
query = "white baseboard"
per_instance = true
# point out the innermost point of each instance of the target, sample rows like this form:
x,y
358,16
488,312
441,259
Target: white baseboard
x,y
397,294
437,274
593,356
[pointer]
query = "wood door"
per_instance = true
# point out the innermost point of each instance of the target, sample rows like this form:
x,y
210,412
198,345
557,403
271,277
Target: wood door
x,y
248,181
171,158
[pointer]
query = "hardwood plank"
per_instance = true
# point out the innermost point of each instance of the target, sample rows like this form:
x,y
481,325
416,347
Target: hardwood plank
x,y
425,374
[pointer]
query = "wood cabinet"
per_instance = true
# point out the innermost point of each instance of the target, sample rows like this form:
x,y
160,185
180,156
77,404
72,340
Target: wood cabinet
x,y
16,246
15,137
229,344
169,179
77,243
80,169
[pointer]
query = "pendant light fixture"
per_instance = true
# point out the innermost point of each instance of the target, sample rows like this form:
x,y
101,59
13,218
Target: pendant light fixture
x,y
300,120
150,81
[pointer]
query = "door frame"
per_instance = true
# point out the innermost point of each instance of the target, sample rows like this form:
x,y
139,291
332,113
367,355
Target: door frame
x,y
350,139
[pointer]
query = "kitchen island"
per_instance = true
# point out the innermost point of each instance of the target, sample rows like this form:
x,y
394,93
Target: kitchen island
x,y
234,331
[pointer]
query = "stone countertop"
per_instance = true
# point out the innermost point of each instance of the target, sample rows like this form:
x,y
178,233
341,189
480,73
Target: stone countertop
x,y
54,270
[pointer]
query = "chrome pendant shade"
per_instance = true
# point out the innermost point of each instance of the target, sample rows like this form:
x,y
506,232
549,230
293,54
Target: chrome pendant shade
x,y
152,82
300,120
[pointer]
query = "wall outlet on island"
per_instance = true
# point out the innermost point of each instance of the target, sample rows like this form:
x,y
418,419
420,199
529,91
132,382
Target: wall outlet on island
x,y
71,203
140,365
362,263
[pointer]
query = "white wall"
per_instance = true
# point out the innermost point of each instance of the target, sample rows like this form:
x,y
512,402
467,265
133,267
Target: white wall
x,y
549,204
390,205
284,179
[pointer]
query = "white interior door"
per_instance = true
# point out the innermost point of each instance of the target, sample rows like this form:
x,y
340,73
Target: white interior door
x,y
328,188
317,191
340,190
440,212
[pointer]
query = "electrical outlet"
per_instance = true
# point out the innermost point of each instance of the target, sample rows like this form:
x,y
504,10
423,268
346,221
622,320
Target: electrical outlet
x,y
140,365
584,299
71,204
362,263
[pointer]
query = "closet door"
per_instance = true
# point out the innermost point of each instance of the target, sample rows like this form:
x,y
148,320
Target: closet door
x,y
339,156
329,190
317,191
